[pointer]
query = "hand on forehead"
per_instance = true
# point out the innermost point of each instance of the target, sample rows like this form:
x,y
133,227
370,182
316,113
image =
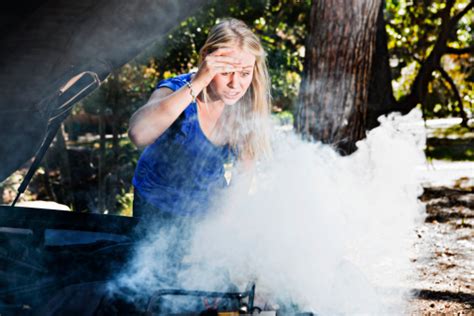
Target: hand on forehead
x,y
247,59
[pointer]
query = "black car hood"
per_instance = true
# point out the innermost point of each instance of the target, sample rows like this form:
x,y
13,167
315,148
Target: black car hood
x,y
46,43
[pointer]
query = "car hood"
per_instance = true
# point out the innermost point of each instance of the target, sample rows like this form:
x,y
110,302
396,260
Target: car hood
x,y
46,44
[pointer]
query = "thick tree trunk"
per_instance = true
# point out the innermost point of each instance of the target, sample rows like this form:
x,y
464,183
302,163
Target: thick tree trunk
x,y
381,99
340,49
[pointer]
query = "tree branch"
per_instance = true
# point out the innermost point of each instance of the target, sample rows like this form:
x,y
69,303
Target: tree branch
x,y
446,13
432,62
460,51
457,95
463,12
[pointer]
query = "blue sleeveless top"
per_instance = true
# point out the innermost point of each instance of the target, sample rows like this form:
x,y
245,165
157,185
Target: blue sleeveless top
x,y
181,171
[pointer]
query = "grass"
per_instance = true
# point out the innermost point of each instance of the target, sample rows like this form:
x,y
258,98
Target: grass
x,y
453,143
450,149
455,131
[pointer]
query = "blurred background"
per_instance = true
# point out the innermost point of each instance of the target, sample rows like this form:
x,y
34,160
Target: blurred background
x,y
423,53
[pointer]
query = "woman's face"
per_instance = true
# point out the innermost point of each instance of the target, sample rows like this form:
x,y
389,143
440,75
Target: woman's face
x,y
231,86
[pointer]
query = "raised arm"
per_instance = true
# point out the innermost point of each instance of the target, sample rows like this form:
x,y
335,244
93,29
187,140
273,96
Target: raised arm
x,y
165,105
161,110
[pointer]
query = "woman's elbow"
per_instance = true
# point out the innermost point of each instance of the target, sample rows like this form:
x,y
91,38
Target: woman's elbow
x,y
137,138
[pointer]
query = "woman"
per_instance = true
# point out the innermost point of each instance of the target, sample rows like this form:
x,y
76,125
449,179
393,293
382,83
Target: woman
x,y
194,123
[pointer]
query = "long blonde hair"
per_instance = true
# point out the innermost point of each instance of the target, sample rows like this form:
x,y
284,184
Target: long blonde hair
x,y
246,123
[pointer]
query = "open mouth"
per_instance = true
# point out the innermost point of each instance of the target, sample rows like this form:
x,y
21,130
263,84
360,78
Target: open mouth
x,y
232,95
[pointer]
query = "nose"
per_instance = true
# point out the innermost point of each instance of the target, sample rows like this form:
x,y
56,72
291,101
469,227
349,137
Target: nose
x,y
234,80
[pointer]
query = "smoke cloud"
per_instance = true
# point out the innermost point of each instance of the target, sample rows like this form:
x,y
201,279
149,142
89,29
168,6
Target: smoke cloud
x,y
325,233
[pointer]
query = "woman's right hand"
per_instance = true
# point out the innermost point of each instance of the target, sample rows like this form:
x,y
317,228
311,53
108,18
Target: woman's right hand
x,y
215,63
165,106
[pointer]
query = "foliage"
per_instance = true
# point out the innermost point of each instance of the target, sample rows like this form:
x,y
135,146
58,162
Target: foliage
x,y
455,131
122,93
280,24
125,202
413,27
284,118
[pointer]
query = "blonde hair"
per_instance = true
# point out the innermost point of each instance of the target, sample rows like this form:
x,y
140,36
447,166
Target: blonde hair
x,y
246,123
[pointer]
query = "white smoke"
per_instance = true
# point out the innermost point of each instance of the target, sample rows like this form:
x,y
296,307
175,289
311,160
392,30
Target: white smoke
x,y
326,233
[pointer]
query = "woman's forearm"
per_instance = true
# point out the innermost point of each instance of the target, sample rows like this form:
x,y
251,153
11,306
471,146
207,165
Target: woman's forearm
x,y
156,116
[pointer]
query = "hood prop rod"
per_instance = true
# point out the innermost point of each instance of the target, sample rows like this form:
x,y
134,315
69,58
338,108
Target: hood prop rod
x,y
76,89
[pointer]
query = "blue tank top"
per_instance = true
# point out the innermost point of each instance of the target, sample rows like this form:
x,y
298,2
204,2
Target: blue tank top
x,y
182,170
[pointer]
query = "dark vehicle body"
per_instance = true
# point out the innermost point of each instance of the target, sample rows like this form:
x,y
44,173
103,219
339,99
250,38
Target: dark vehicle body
x,y
53,54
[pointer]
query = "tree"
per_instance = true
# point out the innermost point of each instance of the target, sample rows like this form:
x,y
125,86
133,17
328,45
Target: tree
x,y
422,34
381,99
280,24
334,94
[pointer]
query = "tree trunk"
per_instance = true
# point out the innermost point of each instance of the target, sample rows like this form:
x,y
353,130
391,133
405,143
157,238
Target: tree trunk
x,y
381,99
340,50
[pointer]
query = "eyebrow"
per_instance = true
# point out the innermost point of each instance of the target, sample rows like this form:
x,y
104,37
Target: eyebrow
x,y
245,67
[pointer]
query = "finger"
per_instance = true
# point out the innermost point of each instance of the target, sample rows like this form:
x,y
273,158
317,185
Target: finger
x,y
225,59
219,65
227,68
225,64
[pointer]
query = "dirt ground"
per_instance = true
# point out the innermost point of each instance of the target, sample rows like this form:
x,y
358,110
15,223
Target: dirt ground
x,y
445,253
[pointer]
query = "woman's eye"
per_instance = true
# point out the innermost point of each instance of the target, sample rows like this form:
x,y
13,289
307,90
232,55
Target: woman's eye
x,y
245,74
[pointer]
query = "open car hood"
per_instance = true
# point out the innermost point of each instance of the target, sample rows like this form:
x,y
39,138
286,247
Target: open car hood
x,y
53,53
49,45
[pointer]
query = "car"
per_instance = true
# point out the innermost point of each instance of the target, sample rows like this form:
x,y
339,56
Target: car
x,y
54,53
